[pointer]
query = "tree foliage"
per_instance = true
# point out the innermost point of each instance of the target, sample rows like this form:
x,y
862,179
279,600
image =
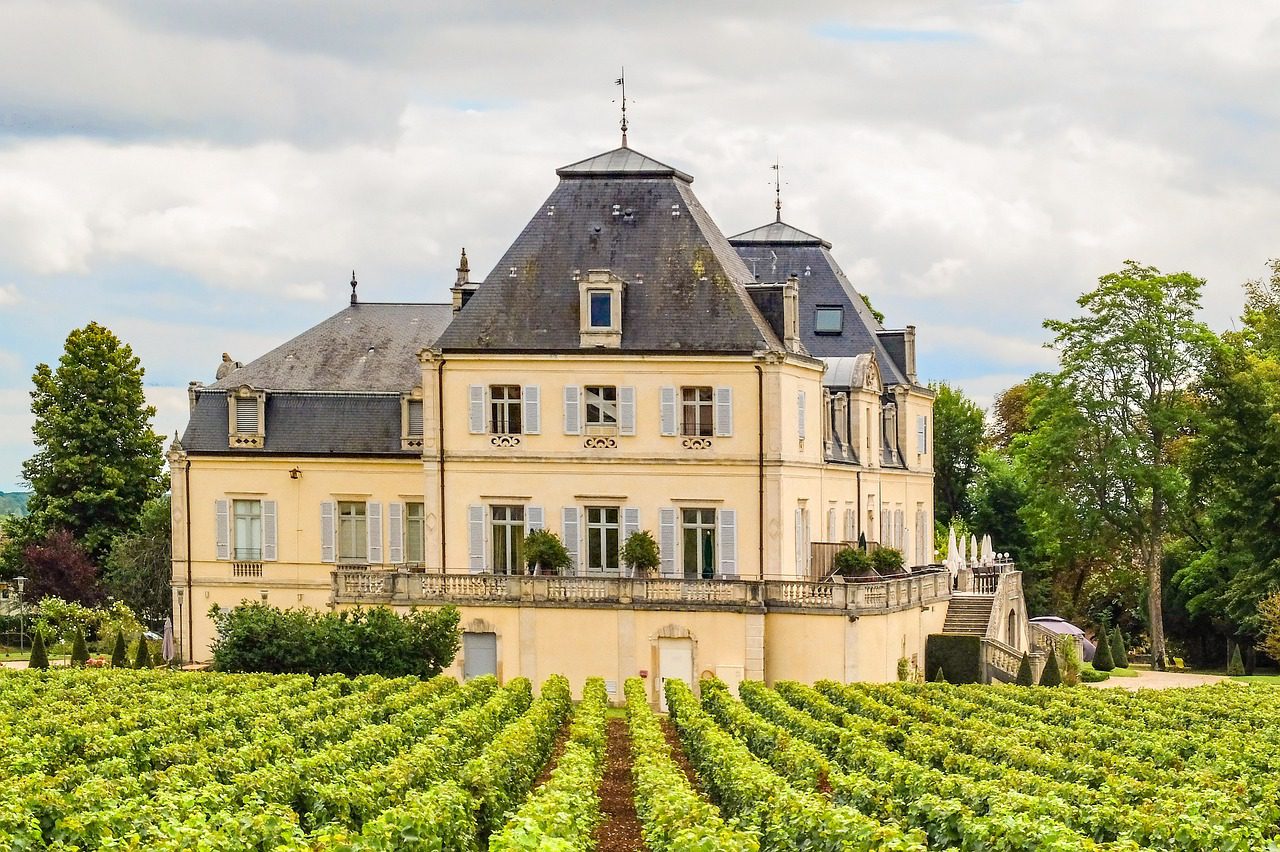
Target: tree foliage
x,y
79,650
39,656
640,552
97,460
119,651
1051,675
59,567
138,567
957,441
1026,677
1119,653
544,552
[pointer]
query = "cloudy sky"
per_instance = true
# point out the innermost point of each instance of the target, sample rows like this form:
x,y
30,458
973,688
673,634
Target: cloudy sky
x,y
203,177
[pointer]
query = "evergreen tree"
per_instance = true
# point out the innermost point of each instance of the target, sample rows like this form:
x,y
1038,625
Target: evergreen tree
x,y
97,460
1119,654
120,653
1026,677
1052,674
142,659
1235,668
79,650
39,657
1102,653
939,676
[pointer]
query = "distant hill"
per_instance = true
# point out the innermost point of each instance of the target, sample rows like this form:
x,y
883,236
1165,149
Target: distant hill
x,y
13,502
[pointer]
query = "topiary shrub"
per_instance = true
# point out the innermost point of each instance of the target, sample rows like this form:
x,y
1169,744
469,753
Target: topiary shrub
x,y
1088,674
1026,676
1235,668
939,676
120,652
904,669
958,655
887,560
1102,654
142,658
544,553
39,657
850,562
79,650
1052,674
640,553
1069,660
1119,654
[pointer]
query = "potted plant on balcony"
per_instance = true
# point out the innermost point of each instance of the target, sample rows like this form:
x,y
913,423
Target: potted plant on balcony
x,y
853,563
640,553
544,553
887,561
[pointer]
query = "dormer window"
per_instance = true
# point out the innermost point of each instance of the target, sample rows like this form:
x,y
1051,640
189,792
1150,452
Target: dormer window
x,y
411,420
600,307
246,413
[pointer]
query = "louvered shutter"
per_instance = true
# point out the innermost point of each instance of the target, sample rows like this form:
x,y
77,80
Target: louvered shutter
x,y
724,412
415,418
848,525
668,411
531,400
373,522
922,434
897,529
626,411
886,528
247,415
269,537
533,518
569,527
667,541
328,511
833,531
630,525
799,541
395,533
800,424
475,539
222,528
572,410
728,542
475,410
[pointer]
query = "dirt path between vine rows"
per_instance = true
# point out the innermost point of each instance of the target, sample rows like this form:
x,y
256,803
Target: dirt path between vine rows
x,y
620,829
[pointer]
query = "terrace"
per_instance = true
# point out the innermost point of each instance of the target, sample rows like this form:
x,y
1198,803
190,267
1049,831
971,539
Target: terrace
x,y
364,586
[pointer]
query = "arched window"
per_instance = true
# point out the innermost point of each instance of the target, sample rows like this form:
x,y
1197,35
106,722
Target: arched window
x,y
1012,628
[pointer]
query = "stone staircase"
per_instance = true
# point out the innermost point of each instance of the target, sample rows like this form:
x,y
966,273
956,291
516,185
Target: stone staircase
x,y
969,614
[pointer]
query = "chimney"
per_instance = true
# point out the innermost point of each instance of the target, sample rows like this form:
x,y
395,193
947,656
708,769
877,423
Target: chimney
x,y
909,353
791,314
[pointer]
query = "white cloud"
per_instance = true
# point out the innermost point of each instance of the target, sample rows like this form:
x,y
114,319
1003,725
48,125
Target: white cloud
x,y
312,291
172,410
9,295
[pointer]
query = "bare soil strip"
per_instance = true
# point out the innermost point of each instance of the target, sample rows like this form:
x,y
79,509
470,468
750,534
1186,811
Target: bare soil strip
x,y
678,755
619,831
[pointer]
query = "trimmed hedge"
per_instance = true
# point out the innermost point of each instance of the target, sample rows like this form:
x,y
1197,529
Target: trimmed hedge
x,y
1119,654
1052,674
959,656
1102,653
1026,677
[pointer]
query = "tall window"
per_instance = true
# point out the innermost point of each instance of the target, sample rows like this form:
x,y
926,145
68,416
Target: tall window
x,y
698,412
508,539
414,535
602,538
504,408
248,529
601,307
353,532
602,405
699,526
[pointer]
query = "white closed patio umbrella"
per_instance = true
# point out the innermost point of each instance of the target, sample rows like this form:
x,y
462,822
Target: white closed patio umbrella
x,y
988,551
953,555
973,549
166,644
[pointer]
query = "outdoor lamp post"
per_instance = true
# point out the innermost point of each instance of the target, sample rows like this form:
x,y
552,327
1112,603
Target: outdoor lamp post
x,y
22,621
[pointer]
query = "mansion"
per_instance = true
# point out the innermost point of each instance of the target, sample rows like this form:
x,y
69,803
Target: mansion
x,y
624,366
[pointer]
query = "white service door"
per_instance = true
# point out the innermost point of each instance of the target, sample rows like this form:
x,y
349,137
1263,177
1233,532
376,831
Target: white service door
x,y
479,654
675,660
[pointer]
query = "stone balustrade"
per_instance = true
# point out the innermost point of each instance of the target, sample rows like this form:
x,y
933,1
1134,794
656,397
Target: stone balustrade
x,y
402,588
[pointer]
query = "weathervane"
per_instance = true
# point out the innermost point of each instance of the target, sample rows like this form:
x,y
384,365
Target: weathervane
x,y
622,81
777,190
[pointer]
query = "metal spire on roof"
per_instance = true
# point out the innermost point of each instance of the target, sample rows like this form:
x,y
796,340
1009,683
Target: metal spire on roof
x,y
622,81
353,286
777,190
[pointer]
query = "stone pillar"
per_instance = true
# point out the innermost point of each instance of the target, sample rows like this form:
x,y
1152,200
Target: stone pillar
x,y
753,657
434,551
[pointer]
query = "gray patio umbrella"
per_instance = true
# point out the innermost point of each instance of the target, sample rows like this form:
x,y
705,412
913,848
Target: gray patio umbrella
x,y
166,646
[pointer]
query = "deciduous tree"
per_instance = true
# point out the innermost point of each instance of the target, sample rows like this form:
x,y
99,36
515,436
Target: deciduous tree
x,y
957,441
138,567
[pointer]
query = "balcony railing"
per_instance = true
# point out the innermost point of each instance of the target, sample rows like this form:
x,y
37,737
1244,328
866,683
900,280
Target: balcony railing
x,y
855,598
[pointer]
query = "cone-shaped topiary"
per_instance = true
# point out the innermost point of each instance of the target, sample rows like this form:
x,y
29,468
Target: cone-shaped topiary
x,y
120,653
1102,661
1235,668
1119,655
939,676
79,650
1052,674
1026,677
142,659
39,657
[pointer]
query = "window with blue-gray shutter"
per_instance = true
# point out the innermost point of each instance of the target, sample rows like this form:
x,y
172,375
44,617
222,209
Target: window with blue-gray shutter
x,y
922,434
533,518
572,410
728,542
626,411
269,536
667,414
532,401
395,533
222,528
667,541
724,412
328,531
475,410
570,526
475,539
373,514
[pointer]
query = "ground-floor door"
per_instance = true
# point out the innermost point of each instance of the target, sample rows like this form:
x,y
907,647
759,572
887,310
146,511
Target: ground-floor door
x,y
479,654
675,660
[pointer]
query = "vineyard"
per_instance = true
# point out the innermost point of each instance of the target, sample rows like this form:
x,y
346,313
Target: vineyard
x,y
125,760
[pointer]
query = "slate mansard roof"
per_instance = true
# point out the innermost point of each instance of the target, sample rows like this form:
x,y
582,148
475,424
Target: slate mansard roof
x,y
776,250
334,389
638,218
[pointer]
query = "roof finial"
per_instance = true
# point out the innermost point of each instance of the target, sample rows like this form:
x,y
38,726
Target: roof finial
x,y
353,286
622,81
464,269
777,190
